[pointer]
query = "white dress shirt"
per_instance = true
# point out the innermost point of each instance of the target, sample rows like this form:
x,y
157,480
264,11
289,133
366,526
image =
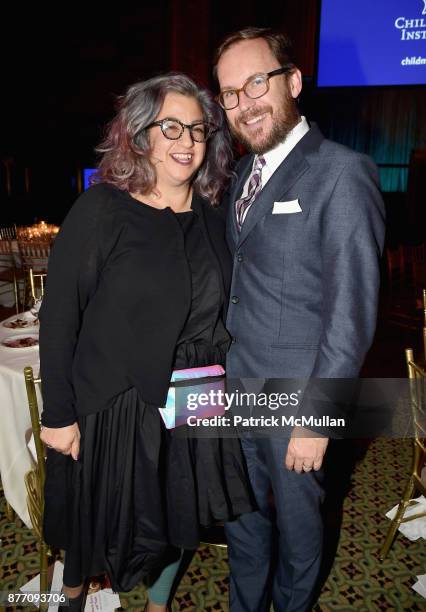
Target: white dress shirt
x,y
277,155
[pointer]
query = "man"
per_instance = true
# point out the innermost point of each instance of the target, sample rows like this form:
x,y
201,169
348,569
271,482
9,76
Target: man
x,y
305,226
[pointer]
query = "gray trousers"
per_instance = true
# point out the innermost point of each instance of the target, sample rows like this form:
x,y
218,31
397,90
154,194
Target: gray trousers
x,y
275,553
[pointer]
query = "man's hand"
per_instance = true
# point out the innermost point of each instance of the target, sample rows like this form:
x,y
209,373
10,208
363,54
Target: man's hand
x,y
65,440
305,452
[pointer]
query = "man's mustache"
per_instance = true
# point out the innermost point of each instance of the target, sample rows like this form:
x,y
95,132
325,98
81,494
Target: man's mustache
x,y
251,114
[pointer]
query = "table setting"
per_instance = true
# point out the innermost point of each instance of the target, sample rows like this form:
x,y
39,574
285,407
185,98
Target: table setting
x,y
29,247
18,349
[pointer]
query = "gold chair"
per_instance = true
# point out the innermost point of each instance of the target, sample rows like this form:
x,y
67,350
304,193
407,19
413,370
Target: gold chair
x,y
417,381
9,273
214,536
37,282
8,233
34,256
424,326
34,481
9,511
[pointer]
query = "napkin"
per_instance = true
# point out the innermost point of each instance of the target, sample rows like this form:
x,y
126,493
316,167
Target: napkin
x,y
420,585
102,601
34,584
415,529
32,447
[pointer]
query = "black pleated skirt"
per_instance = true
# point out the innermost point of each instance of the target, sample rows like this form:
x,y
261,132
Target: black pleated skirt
x,y
138,490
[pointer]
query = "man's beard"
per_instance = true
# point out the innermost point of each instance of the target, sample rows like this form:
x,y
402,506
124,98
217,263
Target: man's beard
x,y
283,122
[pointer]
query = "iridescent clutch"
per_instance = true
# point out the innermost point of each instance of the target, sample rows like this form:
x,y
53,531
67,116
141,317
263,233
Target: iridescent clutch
x,y
192,391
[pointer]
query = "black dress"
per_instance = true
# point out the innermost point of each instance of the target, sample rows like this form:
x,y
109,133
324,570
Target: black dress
x,y
137,489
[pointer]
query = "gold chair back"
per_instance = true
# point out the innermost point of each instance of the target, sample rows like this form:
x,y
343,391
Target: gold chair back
x,y
7,262
8,233
35,479
8,271
6,249
417,381
37,283
34,255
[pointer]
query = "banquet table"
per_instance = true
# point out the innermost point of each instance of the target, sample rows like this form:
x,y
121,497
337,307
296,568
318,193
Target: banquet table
x,y
15,428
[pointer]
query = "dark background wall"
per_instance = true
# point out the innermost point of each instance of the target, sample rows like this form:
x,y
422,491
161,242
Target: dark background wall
x,y
62,71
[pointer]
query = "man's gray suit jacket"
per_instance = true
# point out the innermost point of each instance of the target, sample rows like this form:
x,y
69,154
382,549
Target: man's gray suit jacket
x,y
305,284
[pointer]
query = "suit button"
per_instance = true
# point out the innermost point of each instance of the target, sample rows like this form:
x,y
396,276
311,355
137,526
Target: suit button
x,y
235,299
233,340
240,258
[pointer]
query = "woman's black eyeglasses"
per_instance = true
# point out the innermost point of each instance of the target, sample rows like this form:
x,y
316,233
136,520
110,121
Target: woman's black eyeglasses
x,y
173,129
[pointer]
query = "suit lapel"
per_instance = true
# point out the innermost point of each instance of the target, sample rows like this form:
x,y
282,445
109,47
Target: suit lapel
x,y
283,179
232,233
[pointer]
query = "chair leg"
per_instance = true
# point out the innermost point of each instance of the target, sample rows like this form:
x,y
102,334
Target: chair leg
x,y
25,292
10,513
15,291
22,294
396,521
44,583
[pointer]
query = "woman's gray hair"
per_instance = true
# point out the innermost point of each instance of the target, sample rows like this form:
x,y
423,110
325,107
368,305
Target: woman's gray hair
x,y
125,149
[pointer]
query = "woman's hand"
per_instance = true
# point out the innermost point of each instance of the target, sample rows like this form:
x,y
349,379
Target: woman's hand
x,y
65,440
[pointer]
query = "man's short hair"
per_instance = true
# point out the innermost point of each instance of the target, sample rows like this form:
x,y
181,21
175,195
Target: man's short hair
x,y
278,42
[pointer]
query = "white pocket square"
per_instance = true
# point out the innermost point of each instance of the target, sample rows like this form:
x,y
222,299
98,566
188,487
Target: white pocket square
x,y
286,208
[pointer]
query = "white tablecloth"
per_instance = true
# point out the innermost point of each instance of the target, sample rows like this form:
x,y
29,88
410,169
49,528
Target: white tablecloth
x,y
15,422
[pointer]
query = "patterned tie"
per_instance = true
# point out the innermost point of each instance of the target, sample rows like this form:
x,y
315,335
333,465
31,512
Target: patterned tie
x,y
255,185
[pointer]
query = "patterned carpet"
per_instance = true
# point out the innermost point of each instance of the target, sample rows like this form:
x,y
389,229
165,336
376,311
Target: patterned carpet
x,y
353,577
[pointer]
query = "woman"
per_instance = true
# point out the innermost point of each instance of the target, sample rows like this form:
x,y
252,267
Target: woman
x,y
136,288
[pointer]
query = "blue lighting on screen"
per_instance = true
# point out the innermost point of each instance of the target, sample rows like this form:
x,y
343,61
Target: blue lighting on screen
x,y
379,42
87,173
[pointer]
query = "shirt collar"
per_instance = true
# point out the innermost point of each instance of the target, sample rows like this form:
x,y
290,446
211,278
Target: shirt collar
x,y
274,157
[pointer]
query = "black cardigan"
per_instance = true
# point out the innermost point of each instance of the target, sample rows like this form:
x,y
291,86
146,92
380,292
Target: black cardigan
x,y
117,297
